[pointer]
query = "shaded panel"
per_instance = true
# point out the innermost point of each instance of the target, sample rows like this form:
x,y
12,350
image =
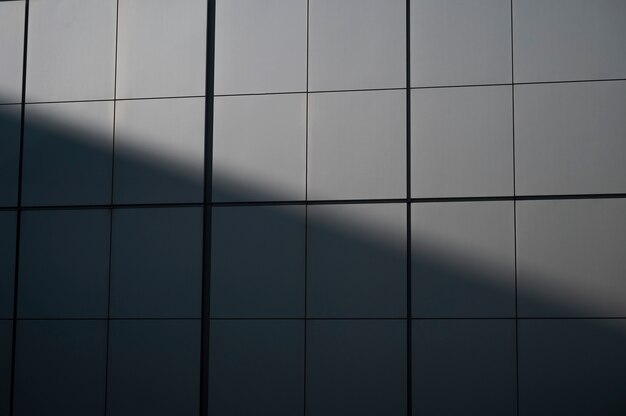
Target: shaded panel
x,y
356,261
259,148
256,367
356,367
60,368
71,50
574,367
64,264
461,142
357,145
67,153
159,151
464,367
8,227
357,44
570,258
6,347
260,46
156,263
257,262
10,125
463,260
154,368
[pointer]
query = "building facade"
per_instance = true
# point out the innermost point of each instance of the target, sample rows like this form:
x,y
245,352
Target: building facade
x,y
312,207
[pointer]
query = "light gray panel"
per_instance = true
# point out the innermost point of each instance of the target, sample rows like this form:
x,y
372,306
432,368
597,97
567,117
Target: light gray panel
x,y
463,259
8,228
356,368
569,138
260,46
357,44
356,261
156,263
256,368
560,40
257,262
11,51
159,151
259,148
64,264
464,367
572,367
71,50
60,368
67,153
357,145
462,142
10,125
154,368
459,42
6,347
161,48
570,258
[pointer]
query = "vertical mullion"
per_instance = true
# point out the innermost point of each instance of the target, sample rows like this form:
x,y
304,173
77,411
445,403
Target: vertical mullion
x,y
514,216
108,318
409,332
306,208
205,321
18,218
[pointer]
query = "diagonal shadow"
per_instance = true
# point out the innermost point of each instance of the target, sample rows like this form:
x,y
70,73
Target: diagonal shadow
x,y
357,270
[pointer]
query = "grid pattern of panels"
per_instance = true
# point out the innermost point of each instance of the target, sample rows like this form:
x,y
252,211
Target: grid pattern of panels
x,y
417,207
102,130
408,207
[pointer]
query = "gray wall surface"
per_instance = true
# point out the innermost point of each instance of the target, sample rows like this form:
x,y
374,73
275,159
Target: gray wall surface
x,y
312,207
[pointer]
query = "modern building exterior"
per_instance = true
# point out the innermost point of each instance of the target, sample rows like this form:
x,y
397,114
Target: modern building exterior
x,y
312,207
